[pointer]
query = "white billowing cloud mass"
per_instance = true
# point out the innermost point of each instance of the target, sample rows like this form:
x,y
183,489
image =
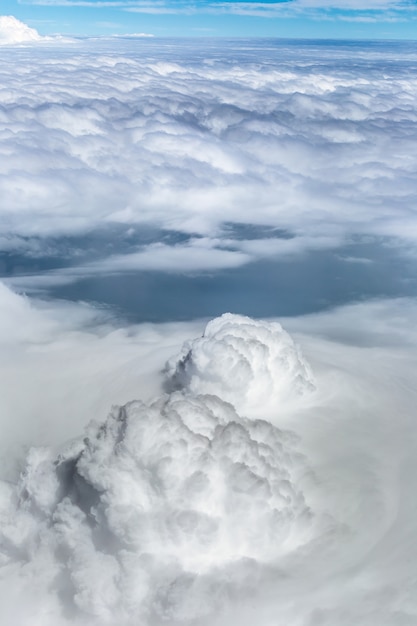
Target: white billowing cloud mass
x,y
167,508
159,509
14,31
263,366
73,364
137,133
185,509
233,483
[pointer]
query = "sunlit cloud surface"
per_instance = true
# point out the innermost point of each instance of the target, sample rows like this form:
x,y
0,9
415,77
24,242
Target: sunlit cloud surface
x,y
285,138
250,471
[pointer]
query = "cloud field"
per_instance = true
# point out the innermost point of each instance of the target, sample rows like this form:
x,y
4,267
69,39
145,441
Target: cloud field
x,y
248,472
189,138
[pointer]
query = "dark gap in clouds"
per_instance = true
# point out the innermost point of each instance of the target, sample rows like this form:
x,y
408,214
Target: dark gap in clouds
x,y
33,255
15,264
246,231
307,283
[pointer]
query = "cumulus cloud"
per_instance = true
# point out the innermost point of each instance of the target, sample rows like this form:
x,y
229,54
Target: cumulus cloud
x,y
13,31
264,366
284,138
168,508
161,507
192,507
244,486
73,361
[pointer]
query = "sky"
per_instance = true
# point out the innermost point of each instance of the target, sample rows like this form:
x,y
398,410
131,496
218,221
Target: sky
x,y
208,313
328,19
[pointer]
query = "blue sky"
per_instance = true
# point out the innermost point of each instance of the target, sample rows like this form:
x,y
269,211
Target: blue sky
x,y
369,19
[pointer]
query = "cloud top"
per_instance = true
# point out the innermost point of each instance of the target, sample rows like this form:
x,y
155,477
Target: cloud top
x,y
13,31
254,365
184,510
167,509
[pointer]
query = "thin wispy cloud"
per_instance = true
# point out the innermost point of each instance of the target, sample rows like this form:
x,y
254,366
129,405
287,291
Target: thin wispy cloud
x,y
233,5
267,8
372,18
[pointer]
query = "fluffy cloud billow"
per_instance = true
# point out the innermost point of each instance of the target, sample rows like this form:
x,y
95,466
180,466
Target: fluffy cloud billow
x,y
191,138
239,478
13,31
73,363
181,509
166,510
264,366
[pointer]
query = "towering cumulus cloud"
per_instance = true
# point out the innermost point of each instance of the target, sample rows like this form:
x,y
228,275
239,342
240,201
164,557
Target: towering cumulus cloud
x,y
13,31
168,512
254,365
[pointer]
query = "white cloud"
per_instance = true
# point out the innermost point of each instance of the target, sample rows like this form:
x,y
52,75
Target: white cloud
x,y
268,9
194,256
134,35
172,500
170,511
367,5
13,32
264,366
100,4
112,137
72,363
183,509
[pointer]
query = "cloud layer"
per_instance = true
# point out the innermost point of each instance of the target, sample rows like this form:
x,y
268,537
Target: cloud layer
x,y
278,136
267,8
242,489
